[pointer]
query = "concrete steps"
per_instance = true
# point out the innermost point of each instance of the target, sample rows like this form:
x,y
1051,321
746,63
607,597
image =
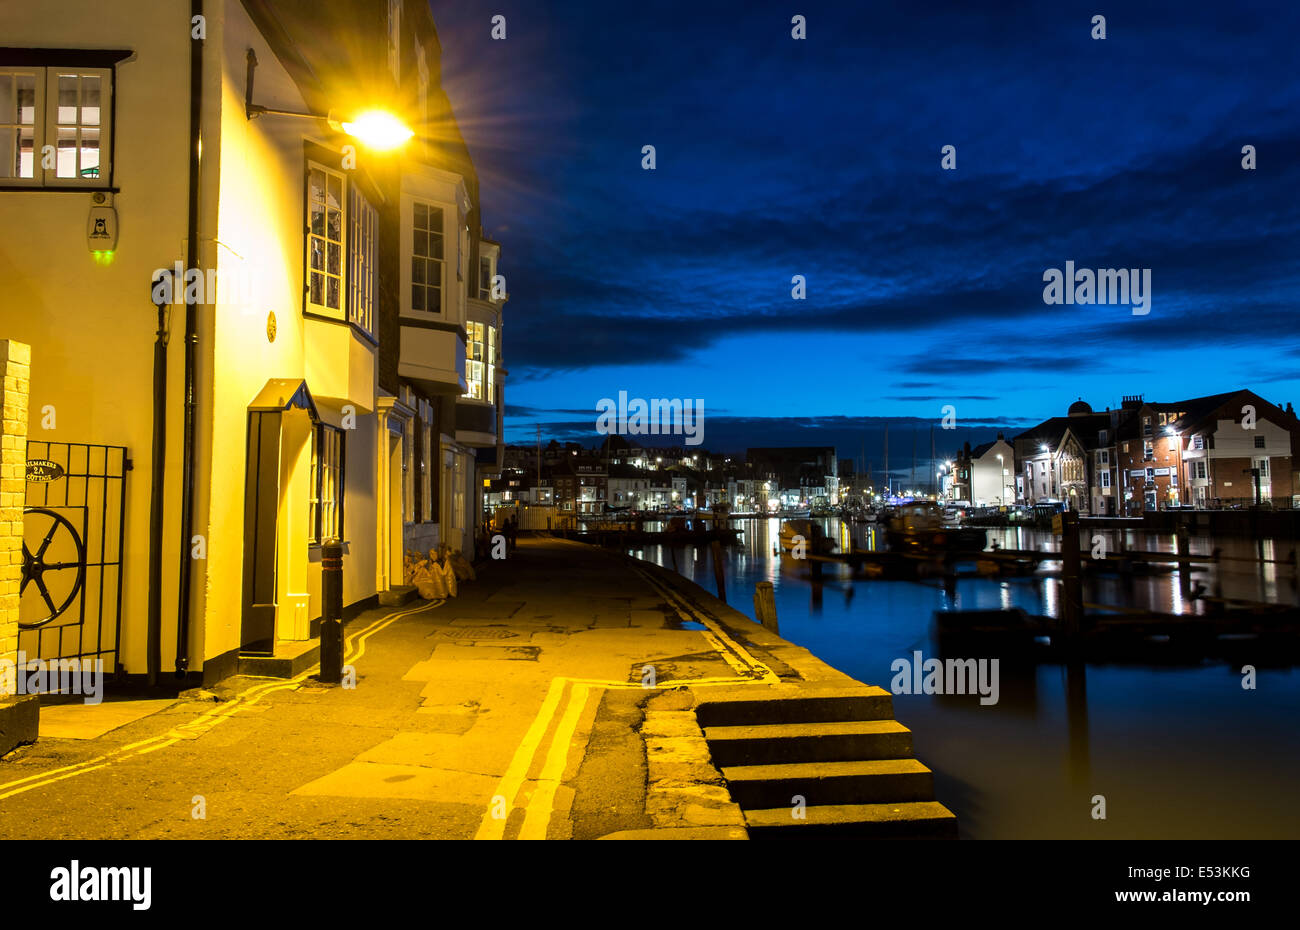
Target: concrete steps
x,y
914,820
821,761
807,705
868,781
834,741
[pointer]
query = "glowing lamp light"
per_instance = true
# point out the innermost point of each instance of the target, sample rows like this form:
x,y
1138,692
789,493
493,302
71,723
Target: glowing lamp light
x,y
378,129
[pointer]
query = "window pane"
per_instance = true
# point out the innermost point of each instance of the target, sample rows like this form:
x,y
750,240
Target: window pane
x,y
66,154
317,288
90,153
420,243
332,293
90,100
335,217
335,254
67,108
417,297
317,220
316,185
421,216
334,192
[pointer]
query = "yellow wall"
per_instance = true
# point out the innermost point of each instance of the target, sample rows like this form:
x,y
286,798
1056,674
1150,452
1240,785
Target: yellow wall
x,y
91,326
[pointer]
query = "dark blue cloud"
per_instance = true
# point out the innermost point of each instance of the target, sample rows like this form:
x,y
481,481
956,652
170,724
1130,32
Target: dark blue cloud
x,y
821,158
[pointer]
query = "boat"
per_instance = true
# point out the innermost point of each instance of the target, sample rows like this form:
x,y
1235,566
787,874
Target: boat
x,y
919,527
812,533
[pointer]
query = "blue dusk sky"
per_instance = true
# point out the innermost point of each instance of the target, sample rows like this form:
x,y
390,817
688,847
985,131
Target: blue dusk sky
x,y
821,158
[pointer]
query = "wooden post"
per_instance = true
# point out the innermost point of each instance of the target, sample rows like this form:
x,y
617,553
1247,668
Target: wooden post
x,y
1071,579
765,606
718,571
1184,566
1218,573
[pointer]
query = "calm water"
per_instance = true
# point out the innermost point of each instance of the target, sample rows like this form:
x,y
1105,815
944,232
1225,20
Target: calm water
x,y
1178,750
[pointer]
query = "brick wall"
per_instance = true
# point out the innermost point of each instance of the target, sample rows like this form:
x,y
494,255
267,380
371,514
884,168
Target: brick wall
x,y
15,375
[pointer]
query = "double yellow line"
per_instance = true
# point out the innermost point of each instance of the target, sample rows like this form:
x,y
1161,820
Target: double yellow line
x,y
539,806
355,649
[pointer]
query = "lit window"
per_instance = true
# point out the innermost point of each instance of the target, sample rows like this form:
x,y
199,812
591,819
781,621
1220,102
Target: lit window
x,y
426,259
326,508
54,126
324,238
474,360
362,231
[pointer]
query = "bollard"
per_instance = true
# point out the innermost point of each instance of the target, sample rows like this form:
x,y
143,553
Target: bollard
x,y
718,572
331,621
765,606
1071,606
1184,566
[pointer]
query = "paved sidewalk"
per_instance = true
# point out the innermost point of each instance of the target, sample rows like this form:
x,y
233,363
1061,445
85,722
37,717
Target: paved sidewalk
x,y
517,709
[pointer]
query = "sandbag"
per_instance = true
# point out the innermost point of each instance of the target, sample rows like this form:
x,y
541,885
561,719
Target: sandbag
x,y
460,565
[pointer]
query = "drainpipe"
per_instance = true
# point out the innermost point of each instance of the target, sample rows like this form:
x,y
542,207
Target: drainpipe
x,y
157,496
191,345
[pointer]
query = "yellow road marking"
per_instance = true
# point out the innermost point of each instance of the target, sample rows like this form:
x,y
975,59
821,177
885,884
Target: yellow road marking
x,y
493,828
539,808
540,805
207,720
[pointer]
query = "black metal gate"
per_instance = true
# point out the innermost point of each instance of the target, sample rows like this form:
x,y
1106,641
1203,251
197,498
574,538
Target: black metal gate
x,y
70,603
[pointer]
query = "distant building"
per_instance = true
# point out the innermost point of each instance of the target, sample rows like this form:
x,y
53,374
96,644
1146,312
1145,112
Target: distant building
x,y
985,475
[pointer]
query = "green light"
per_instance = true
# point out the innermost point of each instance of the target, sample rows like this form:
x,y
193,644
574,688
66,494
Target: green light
x,y
103,257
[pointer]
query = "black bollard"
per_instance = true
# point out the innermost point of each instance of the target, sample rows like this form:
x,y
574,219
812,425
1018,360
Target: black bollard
x,y
331,622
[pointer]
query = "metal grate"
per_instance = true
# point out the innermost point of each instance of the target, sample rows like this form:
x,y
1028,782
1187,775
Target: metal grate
x,y
74,531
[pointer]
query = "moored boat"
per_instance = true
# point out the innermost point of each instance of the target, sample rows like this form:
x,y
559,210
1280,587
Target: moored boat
x,y
919,526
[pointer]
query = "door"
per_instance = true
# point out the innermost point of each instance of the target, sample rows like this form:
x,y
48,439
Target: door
x,y
261,509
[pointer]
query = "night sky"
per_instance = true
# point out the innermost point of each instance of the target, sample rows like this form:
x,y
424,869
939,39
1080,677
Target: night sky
x,y
821,157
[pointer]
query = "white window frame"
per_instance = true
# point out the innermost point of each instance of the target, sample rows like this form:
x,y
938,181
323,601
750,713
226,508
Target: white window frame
x,y
408,258
361,277
472,364
325,506
45,125
323,309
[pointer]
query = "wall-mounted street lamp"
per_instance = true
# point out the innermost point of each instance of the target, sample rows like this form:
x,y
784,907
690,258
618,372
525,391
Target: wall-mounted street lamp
x,y
375,128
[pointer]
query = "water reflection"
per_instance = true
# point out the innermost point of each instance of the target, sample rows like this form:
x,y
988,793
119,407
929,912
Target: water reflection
x,y
1179,749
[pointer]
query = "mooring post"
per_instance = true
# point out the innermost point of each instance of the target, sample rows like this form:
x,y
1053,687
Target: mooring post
x,y
1218,572
717,571
765,606
1071,579
1184,563
331,620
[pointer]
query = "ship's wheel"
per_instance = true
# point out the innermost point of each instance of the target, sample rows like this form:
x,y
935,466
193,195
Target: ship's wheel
x,y
53,572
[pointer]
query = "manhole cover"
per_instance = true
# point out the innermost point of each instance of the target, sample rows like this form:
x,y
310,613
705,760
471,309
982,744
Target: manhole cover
x,y
479,633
